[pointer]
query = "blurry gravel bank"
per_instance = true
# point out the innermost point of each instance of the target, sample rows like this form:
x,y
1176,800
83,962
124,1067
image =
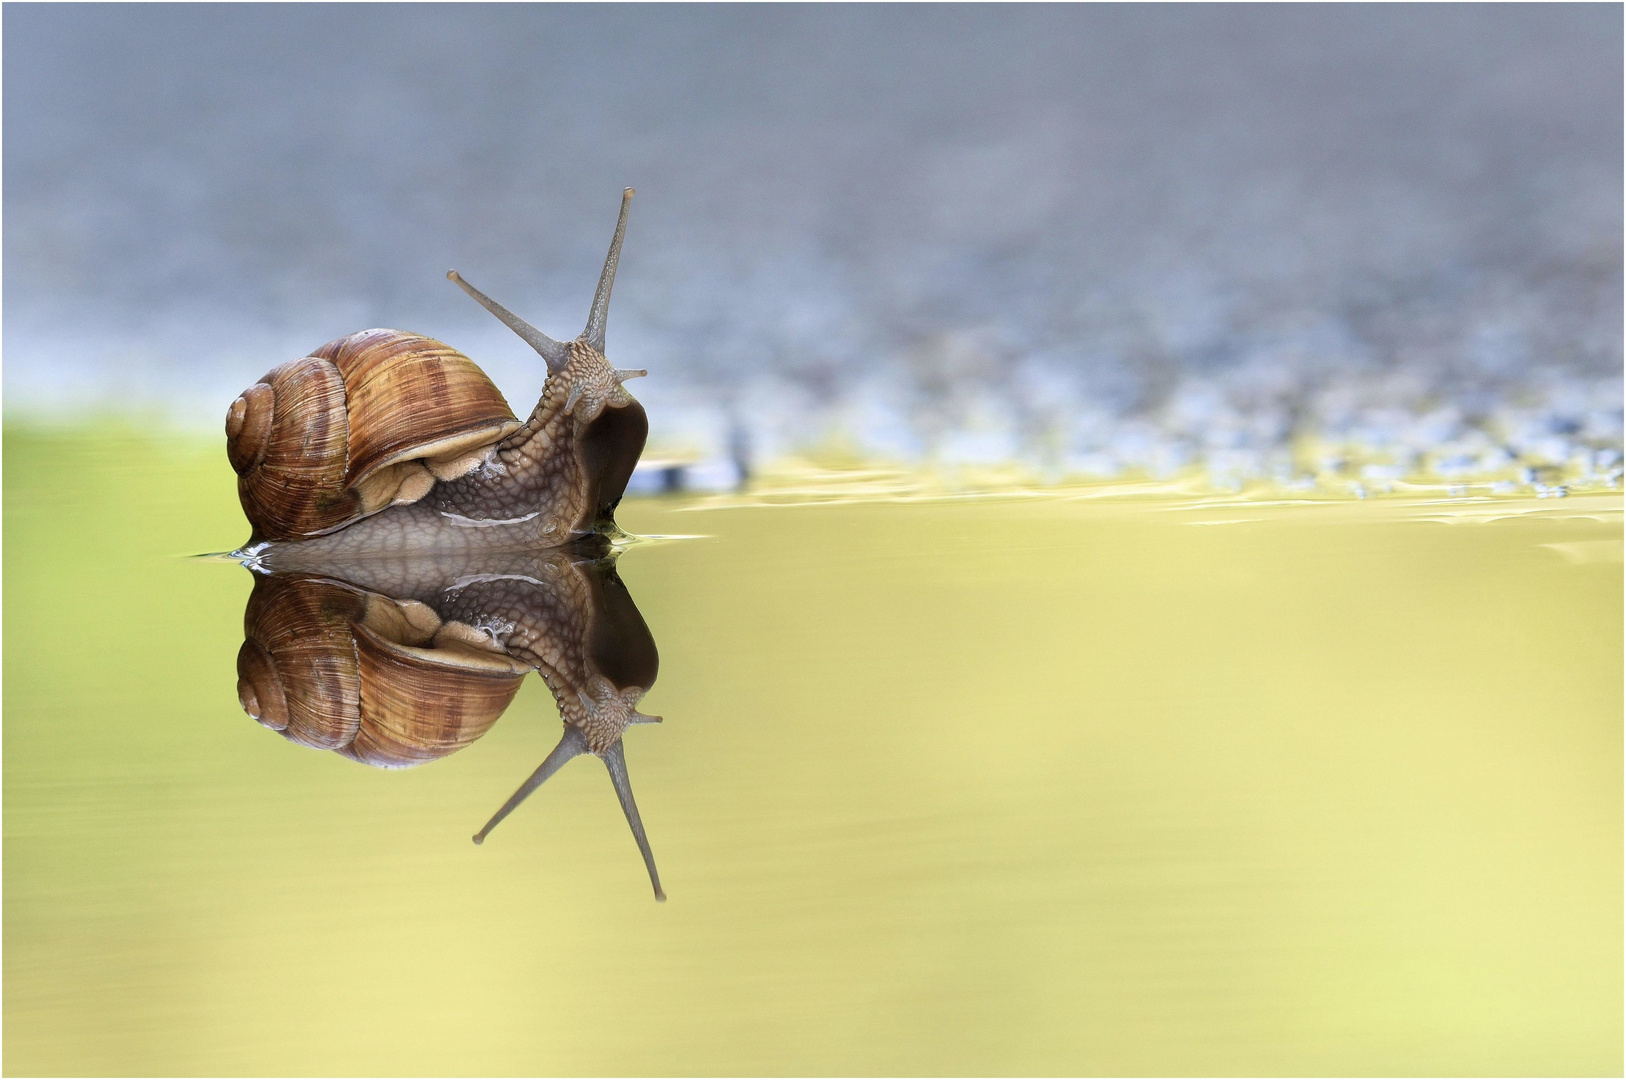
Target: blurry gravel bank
x,y
1330,248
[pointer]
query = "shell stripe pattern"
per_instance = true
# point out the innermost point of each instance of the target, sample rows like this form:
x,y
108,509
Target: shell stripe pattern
x,y
409,396
314,440
296,483
317,666
417,706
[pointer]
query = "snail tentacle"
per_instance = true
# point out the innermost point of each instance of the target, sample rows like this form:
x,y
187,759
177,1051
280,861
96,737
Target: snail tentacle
x,y
573,744
615,760
599,317
556,353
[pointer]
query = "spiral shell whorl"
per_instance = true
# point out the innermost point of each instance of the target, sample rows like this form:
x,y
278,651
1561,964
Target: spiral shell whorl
x,y
248,427
297,666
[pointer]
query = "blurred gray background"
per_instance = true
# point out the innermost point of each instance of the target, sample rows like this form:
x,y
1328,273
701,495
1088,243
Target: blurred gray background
x,y
1089,238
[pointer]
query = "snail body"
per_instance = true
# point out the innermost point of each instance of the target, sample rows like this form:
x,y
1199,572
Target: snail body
x,y
384,420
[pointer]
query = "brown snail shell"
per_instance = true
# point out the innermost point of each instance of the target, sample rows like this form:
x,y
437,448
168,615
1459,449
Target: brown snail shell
x,y
381,681
371,419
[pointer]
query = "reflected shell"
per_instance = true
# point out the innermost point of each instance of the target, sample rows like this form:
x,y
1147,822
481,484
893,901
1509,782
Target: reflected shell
x,y
379,681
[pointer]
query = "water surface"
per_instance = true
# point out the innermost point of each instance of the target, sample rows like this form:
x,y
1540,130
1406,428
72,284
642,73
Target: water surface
x,y
945,786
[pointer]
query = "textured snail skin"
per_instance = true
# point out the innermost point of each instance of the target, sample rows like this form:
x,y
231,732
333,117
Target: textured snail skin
x,y
405,531
569,464
573,620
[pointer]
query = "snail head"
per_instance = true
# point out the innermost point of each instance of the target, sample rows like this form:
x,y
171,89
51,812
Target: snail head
x,y
581,362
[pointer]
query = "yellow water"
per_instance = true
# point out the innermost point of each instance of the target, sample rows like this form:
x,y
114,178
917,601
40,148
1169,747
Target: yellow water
x,y
1033,785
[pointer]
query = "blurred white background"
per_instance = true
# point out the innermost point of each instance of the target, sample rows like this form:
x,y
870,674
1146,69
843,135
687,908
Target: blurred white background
x,y
1089,239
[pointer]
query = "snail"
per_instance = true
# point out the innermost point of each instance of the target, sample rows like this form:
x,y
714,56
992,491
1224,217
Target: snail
x,y
396,661
398,441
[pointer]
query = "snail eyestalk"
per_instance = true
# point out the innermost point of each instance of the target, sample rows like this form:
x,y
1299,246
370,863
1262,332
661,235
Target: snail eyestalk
x,y
598,318
573,744
556,353
616,761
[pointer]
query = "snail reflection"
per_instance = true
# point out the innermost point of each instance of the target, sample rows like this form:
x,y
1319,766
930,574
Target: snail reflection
x,y
397,661
424,549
